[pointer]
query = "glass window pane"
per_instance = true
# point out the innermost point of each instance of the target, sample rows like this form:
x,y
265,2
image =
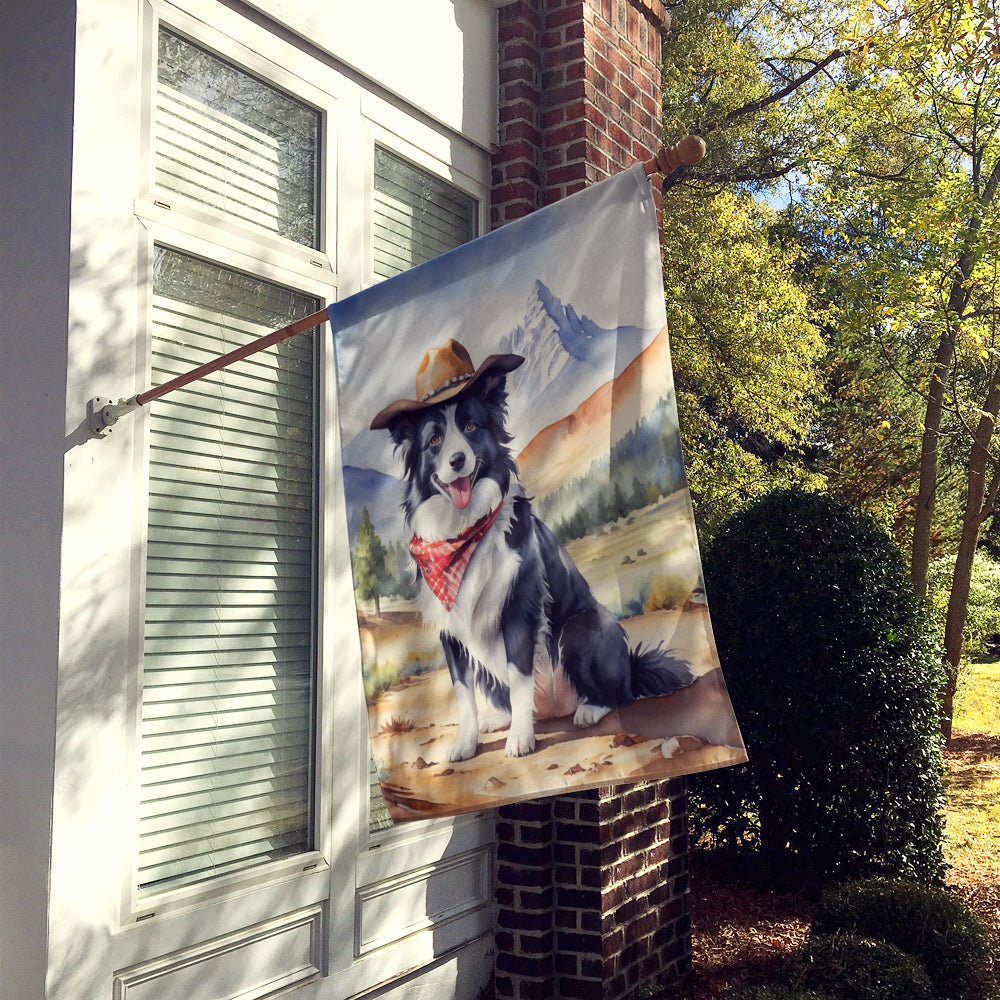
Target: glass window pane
x,y
231,141
416,215
228,677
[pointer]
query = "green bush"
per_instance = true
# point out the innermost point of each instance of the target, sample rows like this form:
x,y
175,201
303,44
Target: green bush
x,y
833,672
856,968
925,922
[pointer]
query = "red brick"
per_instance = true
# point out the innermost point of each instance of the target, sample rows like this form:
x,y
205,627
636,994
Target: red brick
x,y
532,899
535,920
571,14
537,966
522,130
536,944
521,90
511,152
568,52
520,110
518,48
566,174
581,989
569,132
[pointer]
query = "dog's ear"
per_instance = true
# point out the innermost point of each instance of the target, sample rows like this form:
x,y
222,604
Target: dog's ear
x,y
493,389
493,393
403,432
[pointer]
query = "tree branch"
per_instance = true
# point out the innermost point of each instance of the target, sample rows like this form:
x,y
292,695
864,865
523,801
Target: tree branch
x,y
754,106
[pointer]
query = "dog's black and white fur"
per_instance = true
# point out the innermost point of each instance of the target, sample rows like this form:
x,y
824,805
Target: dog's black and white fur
x,y
525,628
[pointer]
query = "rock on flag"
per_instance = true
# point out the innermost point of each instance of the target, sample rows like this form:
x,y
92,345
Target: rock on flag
x,y
527,578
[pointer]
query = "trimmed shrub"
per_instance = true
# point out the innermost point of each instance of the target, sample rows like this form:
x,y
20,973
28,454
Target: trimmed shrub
x,y
833,672
925,922
856,968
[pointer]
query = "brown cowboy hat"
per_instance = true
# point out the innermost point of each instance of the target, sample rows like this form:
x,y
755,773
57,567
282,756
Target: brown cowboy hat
x,y
442,375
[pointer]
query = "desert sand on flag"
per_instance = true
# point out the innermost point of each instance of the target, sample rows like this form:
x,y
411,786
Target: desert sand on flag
x,y
530,603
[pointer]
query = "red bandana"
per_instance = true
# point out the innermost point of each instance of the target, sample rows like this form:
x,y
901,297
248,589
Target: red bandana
x,y
442,564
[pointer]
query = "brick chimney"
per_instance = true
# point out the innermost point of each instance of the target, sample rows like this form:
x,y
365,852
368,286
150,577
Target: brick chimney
x,y
591,887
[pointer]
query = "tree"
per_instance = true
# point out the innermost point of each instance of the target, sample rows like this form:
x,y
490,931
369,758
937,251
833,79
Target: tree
x,y
747,351
745,76
747,356
369,563
914,189
880,124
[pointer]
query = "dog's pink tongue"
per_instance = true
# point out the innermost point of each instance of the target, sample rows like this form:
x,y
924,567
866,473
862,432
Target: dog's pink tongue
x,y
461,492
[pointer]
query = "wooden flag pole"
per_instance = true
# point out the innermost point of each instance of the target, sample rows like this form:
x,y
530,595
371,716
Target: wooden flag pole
x,y
103,413
687,152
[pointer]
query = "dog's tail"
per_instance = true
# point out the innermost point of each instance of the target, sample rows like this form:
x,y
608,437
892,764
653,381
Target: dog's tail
x,y
657,671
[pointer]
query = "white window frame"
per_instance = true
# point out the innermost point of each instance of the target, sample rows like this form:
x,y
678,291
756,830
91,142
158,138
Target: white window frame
x,y
180,224
349,872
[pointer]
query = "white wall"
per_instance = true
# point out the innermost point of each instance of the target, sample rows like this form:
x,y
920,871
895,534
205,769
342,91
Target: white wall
x,y
416,49
36,108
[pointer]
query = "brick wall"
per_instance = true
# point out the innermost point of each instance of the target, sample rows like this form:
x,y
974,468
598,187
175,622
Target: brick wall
x,y
591,893
591,888
579,96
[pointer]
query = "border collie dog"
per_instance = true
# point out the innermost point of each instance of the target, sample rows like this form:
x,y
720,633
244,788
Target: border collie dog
x,y
517,620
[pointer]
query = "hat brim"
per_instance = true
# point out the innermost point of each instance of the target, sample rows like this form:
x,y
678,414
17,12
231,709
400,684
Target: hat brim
x,y
495,362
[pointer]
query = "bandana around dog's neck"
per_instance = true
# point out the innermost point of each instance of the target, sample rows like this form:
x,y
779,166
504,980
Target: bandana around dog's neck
x,y
442,564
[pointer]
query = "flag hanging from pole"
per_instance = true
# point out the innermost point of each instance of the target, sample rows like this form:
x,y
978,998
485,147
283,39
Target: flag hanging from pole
x,y
528,585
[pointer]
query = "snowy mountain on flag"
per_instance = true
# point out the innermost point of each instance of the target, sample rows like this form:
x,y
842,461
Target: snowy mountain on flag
x,y
567,358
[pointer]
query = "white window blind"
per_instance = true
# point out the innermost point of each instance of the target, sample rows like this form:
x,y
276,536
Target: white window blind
x,y
228,661
228,140
416,216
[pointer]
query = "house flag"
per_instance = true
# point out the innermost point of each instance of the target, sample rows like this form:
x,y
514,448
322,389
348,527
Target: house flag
x,y
528,585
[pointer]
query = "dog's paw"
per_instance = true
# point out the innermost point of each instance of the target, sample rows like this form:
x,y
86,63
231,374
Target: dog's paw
x,y
463,748
587,715
519,744
494,721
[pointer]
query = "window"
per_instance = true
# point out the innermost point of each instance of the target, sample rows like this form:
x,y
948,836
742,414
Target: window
x,y
227,707
252,804
229,646
415,216
228,140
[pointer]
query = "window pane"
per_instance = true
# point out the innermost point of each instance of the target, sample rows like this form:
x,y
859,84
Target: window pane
x,y
416,215
228,679
228,140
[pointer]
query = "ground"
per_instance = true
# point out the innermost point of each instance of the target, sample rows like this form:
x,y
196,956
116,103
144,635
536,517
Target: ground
x,y
742,935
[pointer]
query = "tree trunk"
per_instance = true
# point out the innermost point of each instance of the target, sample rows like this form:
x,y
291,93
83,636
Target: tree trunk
x,y
980,498
958,300
920,553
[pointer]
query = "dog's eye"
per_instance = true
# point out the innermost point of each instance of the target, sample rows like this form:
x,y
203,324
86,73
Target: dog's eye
x,y
470,426
435,440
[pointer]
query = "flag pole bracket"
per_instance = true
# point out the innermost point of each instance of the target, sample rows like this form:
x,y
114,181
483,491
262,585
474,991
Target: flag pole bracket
x,y
103,413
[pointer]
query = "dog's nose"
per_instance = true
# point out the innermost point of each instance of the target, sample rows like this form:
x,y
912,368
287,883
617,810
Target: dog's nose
x,y
457,461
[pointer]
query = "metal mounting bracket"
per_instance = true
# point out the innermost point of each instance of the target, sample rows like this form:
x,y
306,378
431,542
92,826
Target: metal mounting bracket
x,y
103,413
